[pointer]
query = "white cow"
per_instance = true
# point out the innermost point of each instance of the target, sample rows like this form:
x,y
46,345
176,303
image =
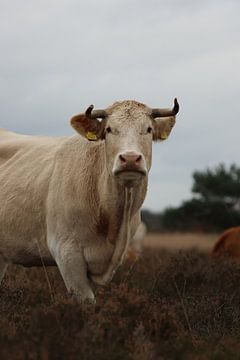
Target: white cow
x,y
76,203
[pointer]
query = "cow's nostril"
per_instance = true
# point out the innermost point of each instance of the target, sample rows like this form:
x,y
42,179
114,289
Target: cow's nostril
x,y
138,159
122,158
130,158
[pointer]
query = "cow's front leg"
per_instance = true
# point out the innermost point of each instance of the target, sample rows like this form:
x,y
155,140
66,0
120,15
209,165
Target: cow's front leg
x,y
73,268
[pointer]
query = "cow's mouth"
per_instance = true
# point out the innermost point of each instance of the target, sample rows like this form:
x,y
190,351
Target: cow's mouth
x,y
130,175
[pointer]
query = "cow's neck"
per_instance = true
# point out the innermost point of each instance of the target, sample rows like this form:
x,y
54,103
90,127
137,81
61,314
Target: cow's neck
x,y
123,203
105,198
112,207
113,201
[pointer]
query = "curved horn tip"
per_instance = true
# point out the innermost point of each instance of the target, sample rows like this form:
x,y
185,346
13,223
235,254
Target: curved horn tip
x,y
176,106
89,110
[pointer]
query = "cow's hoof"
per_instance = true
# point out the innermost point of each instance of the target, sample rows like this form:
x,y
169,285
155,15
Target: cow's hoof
x,y
84,298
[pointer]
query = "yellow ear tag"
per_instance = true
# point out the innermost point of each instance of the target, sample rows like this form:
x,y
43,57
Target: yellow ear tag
x,y
164,135
91,136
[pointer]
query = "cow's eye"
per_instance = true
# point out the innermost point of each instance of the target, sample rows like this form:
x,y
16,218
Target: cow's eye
x,y
108,130
149,130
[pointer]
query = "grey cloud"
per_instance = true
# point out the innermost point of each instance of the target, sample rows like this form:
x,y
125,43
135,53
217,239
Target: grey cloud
x,y
60,56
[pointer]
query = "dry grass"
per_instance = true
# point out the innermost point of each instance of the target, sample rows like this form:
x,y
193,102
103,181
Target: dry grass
x,y
180,241
169,305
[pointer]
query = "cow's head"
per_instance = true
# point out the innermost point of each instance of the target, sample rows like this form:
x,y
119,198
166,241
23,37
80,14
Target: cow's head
x,y
128,129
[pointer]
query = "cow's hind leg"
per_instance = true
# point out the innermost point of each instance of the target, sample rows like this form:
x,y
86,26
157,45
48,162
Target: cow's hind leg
x,y
3,268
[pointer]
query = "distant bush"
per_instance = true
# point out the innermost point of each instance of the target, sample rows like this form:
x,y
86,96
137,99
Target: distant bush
x,y
197,214
215,207
152,220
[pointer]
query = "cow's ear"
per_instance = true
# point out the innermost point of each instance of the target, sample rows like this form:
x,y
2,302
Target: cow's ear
x,y
162,127
91,129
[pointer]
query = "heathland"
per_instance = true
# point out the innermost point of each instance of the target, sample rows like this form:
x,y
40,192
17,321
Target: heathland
x,y
175,302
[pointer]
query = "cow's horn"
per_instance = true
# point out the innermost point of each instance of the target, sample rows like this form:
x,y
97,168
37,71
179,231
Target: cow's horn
x,y
93,114
166,112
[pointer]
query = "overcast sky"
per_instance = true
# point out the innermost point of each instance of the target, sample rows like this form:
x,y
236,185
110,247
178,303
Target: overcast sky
x,y
59,56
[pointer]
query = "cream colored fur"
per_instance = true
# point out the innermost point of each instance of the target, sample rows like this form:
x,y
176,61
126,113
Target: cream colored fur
x,y
136,242
59,199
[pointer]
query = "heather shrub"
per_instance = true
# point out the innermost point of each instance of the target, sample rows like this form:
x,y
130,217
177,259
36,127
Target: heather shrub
x,y
181,305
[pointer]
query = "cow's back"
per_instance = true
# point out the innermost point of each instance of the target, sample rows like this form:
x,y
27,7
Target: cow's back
x,y
26,164
228,244
9,145
12,144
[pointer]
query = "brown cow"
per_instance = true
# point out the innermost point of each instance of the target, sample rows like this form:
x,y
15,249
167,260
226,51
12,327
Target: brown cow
x,y
228,244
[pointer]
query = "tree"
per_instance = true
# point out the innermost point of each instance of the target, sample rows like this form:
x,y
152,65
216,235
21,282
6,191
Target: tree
x,y
200,215
215,206
218,184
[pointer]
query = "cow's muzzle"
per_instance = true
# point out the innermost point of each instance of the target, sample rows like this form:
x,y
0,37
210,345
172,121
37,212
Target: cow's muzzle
x,y
130,165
